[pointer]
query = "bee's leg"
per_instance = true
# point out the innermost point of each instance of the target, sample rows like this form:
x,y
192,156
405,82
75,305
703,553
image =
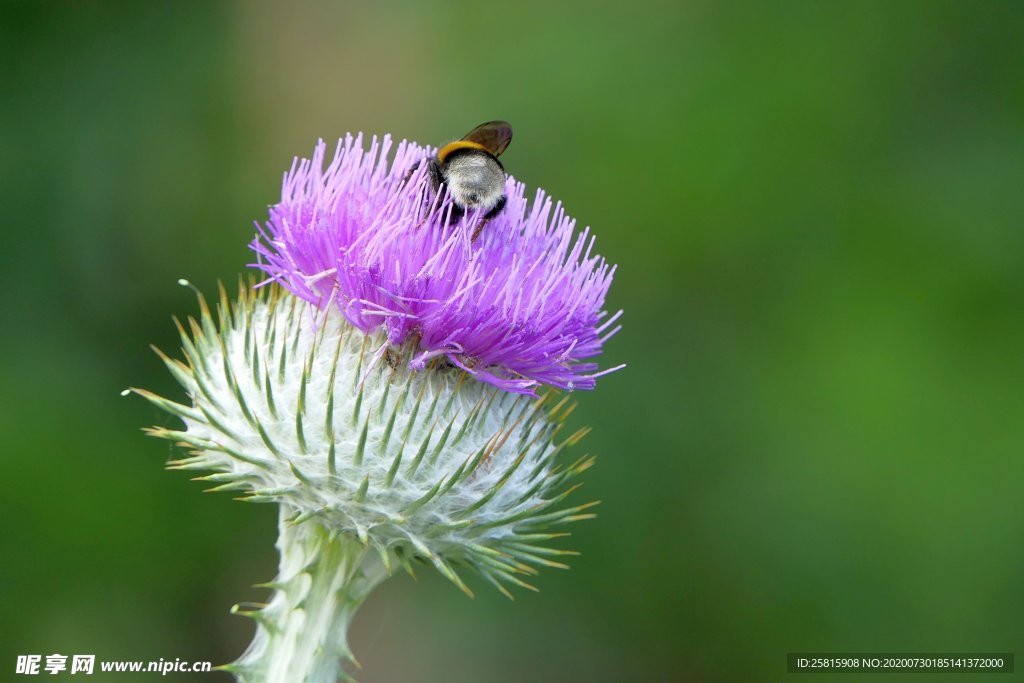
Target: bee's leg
x,y
495,210
408,175
437,184
434,173
457,213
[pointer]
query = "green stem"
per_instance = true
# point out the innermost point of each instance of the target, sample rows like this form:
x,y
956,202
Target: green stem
x,y
322,581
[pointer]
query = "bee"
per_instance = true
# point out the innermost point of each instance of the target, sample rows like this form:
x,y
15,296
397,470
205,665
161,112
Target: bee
x,y
470,172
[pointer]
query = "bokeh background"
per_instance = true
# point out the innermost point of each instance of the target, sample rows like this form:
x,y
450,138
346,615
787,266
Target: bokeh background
x,y
818,214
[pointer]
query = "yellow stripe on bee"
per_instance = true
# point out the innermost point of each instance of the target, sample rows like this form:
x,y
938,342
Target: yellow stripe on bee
x,y
443,153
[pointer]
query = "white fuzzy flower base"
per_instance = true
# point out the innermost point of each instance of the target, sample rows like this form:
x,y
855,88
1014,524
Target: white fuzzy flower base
x,y
372,465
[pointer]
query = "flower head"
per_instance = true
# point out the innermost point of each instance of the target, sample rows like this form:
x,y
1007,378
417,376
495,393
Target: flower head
x,y
518,307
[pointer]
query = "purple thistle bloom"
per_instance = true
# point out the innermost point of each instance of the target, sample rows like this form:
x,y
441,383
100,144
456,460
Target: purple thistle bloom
x,y
518,307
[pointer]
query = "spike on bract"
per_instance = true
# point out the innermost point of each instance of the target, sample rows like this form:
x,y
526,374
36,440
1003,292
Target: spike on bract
x,y
292,404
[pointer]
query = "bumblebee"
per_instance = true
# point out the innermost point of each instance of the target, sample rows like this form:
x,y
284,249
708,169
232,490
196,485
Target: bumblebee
x,y
470,172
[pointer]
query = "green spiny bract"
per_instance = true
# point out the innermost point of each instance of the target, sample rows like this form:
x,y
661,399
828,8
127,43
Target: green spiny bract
x,y
291,404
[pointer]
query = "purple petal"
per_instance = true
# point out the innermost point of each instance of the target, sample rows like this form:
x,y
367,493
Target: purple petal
x,y
519,307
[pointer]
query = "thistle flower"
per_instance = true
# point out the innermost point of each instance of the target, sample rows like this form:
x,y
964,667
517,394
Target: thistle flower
x,y
519,307
327,395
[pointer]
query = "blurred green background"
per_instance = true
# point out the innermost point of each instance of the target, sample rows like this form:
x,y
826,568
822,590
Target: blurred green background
x,y
818,214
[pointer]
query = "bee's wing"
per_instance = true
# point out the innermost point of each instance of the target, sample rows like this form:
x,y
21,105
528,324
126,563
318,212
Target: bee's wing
x,y
493,135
